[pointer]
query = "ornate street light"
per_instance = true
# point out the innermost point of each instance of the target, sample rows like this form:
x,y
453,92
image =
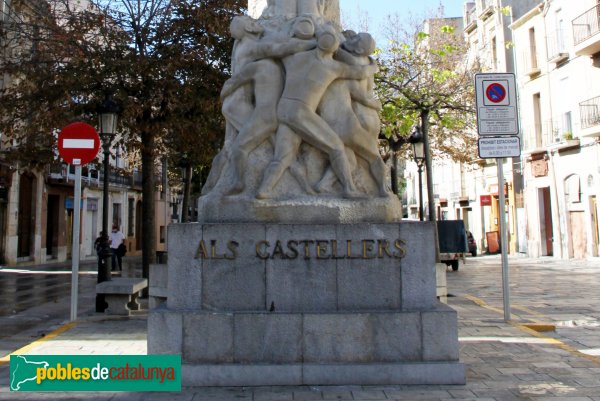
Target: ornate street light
x,y
108,113
416,139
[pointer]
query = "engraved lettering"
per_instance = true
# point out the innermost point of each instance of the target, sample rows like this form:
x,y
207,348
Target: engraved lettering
x,y
232,246
334,250
306,244
278,251
293,247
349,250
213,250
261,249
201,253
399,245
367,248
383,247
322,248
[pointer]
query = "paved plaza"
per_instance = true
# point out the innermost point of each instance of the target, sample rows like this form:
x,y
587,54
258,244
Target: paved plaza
x,y
518,360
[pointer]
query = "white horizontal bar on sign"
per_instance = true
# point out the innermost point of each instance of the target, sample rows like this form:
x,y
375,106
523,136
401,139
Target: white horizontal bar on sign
x,y
78,143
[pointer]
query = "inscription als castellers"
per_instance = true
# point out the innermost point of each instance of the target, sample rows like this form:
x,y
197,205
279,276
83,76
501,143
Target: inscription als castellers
x,y
306,249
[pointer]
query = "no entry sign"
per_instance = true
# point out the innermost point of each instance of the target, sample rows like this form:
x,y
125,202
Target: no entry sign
x,y
78,143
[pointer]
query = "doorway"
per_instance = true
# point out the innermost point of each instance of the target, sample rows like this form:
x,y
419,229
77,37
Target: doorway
x,y
26,218
546,224
138,225
595,227
52,226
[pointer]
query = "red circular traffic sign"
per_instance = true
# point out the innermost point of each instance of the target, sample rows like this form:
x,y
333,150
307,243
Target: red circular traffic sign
x,y
78,143
495,93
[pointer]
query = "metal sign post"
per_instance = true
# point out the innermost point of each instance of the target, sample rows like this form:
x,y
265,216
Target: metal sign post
x,y
75,247
503,240
498,127
78,144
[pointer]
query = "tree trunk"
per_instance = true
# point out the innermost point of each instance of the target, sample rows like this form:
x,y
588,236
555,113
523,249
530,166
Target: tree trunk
x,y
148,209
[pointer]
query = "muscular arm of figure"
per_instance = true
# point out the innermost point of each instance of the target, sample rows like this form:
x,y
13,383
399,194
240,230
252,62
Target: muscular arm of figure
x,y
243,77
275,49
358,94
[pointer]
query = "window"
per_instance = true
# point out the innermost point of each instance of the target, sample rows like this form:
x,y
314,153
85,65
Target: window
x,y
537,119
573,189
162,234
532,49
117,214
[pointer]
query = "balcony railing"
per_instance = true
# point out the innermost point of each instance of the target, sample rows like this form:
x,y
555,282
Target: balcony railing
x,y
93,177
586,25
470,18
590,112
537,136
530,63
557,50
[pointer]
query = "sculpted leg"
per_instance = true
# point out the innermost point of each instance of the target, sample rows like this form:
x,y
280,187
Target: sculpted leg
x,y
317,132
286,148
255,132
329,178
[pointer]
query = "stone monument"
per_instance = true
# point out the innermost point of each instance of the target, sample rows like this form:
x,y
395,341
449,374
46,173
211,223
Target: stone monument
x,y
300,270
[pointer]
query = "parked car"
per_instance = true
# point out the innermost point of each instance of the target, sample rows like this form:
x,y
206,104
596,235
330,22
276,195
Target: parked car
x,y
452,238
471,244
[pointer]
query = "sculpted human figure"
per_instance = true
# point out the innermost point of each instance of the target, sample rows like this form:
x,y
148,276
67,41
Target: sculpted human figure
x,y
266,76
250,97
350,108
308,74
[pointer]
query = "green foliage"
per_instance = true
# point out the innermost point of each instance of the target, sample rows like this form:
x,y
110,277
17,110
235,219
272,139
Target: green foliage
x,y
164,61
428,71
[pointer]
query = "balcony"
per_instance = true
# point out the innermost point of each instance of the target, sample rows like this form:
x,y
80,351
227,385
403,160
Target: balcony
x,y
63,174
557,51
585,32
487,9
538,137
589,111
470,19
530,64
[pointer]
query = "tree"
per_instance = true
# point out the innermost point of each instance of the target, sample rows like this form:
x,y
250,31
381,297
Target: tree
x,y
429,71
426,80
164,61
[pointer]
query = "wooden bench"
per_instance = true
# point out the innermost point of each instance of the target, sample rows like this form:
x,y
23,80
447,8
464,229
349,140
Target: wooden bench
x,y
121,294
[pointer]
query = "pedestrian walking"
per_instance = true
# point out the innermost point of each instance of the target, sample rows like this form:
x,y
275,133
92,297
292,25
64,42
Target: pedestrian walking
x,y
117,246
102,247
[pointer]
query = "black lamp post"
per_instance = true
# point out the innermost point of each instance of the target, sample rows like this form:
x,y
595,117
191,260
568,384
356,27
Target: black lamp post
x,y
107,121
418,146
186,176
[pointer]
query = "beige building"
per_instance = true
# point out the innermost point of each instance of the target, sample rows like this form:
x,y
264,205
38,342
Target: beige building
x,y
558,45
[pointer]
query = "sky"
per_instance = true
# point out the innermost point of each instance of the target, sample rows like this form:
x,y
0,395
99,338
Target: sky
x,y
376,12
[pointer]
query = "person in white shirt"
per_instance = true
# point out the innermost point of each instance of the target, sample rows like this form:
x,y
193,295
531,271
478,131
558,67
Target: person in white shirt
x,y
116,239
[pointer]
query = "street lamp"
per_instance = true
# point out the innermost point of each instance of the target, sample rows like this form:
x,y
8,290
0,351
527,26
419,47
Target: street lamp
x,y
186,176
107,122
416,139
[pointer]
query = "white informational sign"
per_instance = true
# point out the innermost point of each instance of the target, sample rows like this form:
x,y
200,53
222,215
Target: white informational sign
x,y
496,98
499,147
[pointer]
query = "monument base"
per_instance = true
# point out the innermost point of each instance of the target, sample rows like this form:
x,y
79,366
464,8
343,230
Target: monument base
x,y
305,304
307,209
323,374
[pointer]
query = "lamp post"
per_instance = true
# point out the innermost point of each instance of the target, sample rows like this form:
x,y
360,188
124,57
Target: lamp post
x,y
107,121
416,139
186,176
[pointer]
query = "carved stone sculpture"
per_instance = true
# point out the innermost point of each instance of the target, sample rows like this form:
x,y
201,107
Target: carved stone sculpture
x,y
301,116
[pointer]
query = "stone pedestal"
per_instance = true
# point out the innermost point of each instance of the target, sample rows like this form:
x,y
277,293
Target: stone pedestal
x,y
296,304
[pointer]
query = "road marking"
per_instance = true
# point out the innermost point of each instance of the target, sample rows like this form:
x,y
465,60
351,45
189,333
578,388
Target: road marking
x,y
6,358
524,328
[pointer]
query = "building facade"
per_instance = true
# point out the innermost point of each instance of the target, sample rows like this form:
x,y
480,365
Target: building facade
x,y
558,44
